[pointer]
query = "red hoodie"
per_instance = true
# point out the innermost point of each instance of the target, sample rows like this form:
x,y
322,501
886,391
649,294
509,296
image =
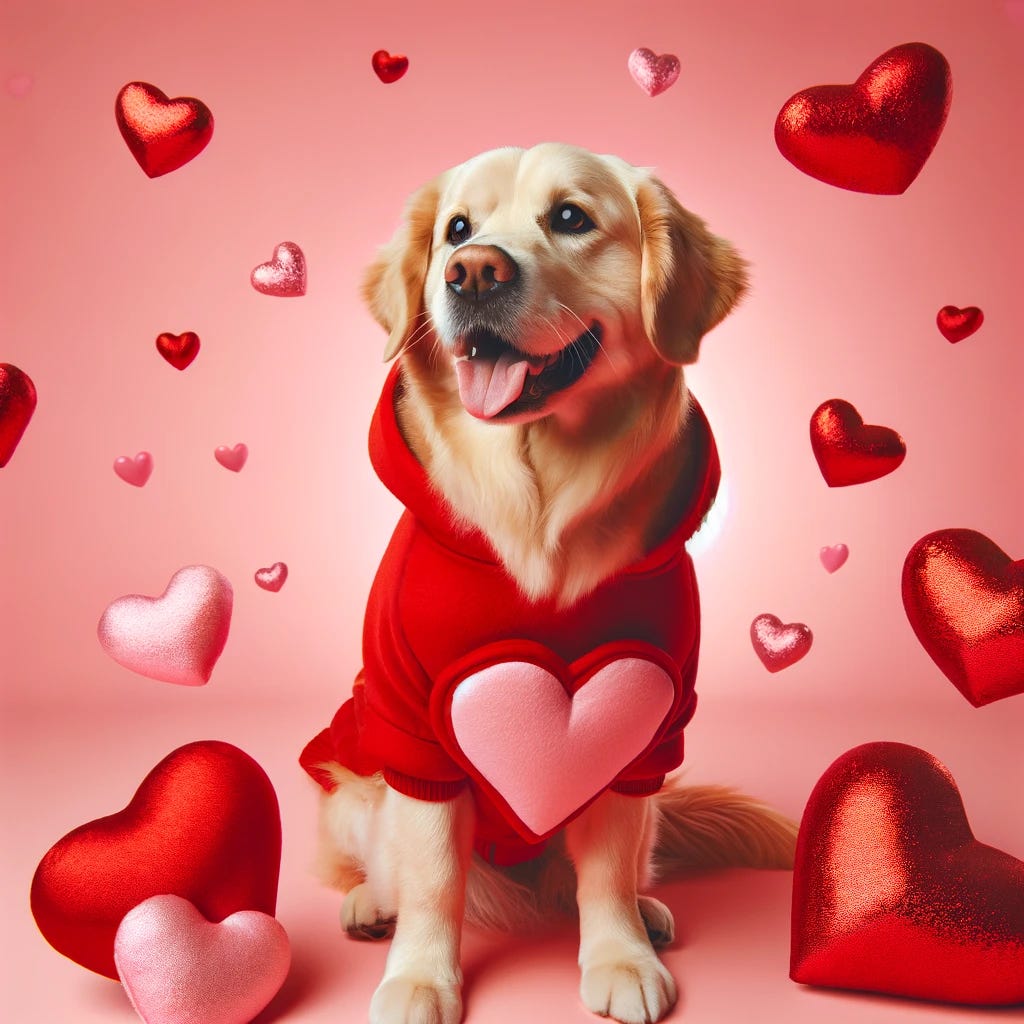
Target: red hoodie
x,y
538,709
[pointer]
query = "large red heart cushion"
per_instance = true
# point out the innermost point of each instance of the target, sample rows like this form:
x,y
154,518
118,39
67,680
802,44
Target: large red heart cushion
x,y
892,893
204,825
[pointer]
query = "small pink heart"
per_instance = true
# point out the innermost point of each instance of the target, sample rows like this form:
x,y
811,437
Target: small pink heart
x,y
179,968
777,645
134,471
834,557
19,86
177,637
232,458
284,275
654,73
272,578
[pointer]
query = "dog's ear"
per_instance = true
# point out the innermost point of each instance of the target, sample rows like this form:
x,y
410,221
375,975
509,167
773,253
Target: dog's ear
x,y
689,278
393,285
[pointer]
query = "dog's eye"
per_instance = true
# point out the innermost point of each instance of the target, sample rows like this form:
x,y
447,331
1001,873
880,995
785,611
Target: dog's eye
x,y
459,229
569,219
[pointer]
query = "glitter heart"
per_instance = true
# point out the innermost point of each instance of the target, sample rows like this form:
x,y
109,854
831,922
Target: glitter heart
x,y
134,471
834,557
964,597
654,73
232,458
17,403
875,135
957,324
178,349
177,637
892,893
272,578
387,68
162,134
777,645
284,275
848,451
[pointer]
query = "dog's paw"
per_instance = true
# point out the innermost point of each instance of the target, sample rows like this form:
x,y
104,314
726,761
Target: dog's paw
x,y
658,920
362,918
637,990
405,1000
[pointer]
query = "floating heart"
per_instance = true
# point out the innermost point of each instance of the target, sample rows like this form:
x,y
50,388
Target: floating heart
x,y
177,637
178,349
284,275
874,135
964,598
162,134
17,403
777,645
848,451
204,825
176,966
272,578
834,557
957,324
134,471
387,68
654,73
892,893
232,458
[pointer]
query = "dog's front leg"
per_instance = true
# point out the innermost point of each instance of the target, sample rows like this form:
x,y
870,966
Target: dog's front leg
x,y
622,976
428,852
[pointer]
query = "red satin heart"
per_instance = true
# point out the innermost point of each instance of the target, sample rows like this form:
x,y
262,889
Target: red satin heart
x,y
892,893
162,134
204,825
957,324
388,68
847,450
17,403
874,135
178,349
964,598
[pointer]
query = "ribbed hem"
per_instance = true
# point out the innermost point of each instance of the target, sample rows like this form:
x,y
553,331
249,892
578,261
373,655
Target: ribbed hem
x,y
639,787
423,789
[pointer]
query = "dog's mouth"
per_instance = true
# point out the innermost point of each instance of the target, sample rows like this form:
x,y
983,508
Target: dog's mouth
x,y
497,380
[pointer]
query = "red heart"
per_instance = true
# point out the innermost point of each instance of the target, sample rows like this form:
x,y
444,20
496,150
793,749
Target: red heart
x,y
964,598
388,68
17,403
162,134
778,645
273,578
892,893
847,450
204,825
957,324
874,135
178,349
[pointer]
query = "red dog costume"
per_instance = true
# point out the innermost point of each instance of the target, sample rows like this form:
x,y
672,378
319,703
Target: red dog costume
x,y
537,709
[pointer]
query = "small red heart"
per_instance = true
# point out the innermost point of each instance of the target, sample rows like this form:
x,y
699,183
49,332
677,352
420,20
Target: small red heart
x,y
388,68
178,349
284,275
779,645
964,598
232,458
957,324
875,135
849,451
162,134
204,825
892,893
17,403
273,578
134,471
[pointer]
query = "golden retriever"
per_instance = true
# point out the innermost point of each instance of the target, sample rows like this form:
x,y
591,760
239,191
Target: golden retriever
x,y
541,303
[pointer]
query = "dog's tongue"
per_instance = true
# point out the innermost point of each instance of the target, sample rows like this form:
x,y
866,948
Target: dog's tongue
x,y
486,386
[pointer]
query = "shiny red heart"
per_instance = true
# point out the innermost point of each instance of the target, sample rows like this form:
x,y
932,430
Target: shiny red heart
x,y
204,825
178,349
17,403
162,134
964,598
957,324
779,644
874,135
272,579
849,451
892,893
389,68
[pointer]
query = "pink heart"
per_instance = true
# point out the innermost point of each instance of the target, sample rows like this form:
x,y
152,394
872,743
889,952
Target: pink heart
x,y
177,637
654,73
134,471
19,86
179,968
232,458
284,275
834,557
272,578
527,735
777,645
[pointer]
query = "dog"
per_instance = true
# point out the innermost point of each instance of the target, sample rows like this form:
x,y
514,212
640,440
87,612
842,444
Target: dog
x,y
531,637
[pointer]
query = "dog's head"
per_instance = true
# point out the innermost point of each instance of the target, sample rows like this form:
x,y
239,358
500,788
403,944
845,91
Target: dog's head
x,y
546,273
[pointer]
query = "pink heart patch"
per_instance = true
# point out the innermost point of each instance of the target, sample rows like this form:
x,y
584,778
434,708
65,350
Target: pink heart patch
x,y
654,73
177,637
232,458
178,968
272,578
834,557
134,471
284,275
777,645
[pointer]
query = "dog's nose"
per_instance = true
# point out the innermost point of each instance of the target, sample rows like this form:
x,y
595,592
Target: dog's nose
x,y
478,272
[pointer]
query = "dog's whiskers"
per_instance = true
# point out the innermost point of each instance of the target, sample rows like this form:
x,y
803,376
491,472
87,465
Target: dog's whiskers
x,y
587,329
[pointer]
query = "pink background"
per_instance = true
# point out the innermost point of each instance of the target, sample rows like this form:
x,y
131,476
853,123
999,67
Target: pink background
x,y
309,146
